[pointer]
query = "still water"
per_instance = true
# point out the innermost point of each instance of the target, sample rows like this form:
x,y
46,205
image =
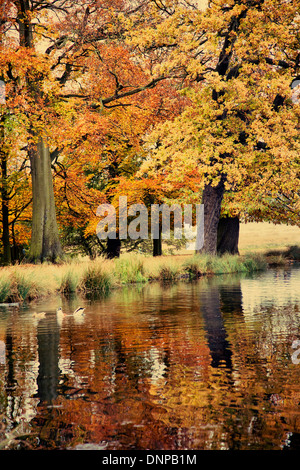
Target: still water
x,y
199,365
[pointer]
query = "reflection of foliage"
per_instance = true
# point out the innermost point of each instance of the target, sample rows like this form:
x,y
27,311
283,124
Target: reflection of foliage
x,y
137,374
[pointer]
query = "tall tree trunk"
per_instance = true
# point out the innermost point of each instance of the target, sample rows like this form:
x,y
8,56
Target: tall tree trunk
x,y
45,243
4,197
228,235
212,199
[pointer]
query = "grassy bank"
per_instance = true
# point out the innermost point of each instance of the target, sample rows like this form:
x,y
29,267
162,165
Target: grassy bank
x,y
261,245
29,282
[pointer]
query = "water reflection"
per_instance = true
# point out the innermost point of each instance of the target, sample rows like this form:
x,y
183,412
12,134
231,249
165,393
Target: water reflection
x,y
48,337
202,365
214,327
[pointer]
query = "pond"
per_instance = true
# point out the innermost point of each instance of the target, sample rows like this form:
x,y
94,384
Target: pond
x,y
210,364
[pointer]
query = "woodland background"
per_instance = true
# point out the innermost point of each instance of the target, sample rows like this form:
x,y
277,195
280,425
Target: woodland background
x,y
162,101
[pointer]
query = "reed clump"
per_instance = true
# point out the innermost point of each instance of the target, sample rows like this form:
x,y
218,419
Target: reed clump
x,y
5,289
17,287
165,268
129,269
69,283
96,278
169,273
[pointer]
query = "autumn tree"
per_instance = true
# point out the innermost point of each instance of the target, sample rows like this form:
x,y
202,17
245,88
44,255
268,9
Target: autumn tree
x,y
15,187
62,44
234,61
101,145
239,59
57,56
15,192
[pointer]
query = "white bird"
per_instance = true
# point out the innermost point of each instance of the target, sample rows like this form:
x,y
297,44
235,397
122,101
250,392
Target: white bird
x,y
60,315
79,311
78,314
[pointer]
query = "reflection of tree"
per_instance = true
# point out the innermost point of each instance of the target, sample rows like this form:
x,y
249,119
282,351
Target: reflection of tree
x,y
231,300
48,344
214,326
10,381
10,370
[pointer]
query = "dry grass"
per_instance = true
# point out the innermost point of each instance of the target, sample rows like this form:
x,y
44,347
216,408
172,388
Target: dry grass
x,y
28,282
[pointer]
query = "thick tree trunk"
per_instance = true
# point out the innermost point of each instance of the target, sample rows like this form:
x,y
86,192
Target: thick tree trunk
x,y
4,198
45,243
228,235
212,200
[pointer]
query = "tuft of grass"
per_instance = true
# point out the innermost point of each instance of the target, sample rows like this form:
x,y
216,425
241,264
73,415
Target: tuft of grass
x,y
19,287
129,270
163,267
254,263
5,289
280,257
191,267
96,279
69,282
25,287
169,272
276,260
